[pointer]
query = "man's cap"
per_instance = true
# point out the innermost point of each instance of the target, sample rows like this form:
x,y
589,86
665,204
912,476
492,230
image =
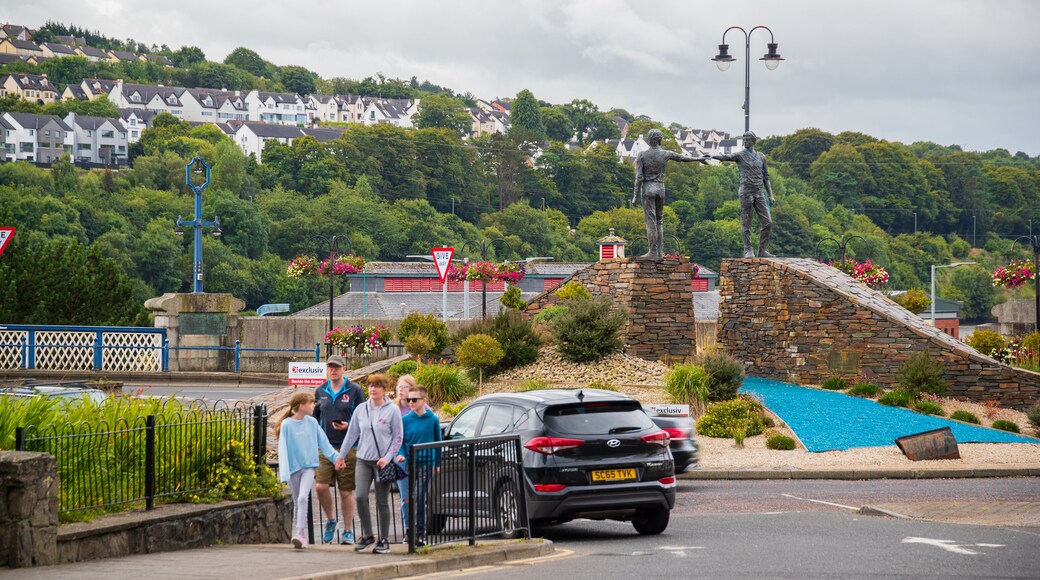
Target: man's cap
x,y
336,360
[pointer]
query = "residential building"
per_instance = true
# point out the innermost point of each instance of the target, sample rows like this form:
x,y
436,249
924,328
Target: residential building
x,y
74,92
35,88
98,140
97,87
398,112
71,40
8,143
351,108
16,32
483,123
154,98
158,59
322,108
56,50
276,108
135,121
20,47
214,106
93,54
251,137
37,138
123,56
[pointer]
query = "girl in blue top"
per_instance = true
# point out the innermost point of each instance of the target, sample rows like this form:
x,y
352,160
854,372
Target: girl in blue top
x,y
299,440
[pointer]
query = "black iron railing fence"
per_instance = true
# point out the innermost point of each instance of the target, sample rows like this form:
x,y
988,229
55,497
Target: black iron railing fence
x,y
145,458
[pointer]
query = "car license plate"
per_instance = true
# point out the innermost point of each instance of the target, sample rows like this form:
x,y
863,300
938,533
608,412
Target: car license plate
x,y
613,474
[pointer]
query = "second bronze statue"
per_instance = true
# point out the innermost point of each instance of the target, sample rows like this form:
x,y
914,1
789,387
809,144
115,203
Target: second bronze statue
x,y
650,183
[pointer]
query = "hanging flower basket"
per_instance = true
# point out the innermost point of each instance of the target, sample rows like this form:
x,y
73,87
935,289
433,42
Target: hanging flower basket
x,y
302,266
867,272
1016,273
359,340
486,272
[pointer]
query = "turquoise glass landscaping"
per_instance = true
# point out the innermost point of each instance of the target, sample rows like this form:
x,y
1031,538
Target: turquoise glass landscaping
x,y
834,421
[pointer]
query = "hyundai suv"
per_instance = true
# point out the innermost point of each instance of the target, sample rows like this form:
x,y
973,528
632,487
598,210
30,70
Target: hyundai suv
x,y
587,453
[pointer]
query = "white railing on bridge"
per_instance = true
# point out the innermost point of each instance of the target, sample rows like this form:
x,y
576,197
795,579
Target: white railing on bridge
x,y
83,348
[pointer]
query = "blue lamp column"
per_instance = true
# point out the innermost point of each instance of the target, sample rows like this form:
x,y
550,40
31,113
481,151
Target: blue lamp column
x,y
200,169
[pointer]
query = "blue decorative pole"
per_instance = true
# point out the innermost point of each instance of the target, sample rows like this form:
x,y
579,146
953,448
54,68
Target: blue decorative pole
x,y
201,169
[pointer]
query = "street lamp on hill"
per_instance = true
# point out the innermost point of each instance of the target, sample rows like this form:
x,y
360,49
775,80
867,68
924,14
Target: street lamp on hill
x,y
1034,243
483,247
331,245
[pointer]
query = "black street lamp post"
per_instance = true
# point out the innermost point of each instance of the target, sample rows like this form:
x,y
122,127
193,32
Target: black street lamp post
x,y
331,244
841,247
483,247
1034,243
724,59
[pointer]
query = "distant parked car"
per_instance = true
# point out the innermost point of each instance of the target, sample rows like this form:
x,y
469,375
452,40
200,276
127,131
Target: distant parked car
x,y
587,453
676,421
62,389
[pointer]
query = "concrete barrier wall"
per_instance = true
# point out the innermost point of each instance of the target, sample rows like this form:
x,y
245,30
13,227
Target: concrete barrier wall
x,y
801,321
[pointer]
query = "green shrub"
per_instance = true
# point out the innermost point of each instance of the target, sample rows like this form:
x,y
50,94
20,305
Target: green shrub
x,y
780,442
420,344
965,416
865,390
770,432
443,383
589,330
1005,425
835,384
1033,414
401,368
929,408
548,313
532,385
739,432
1032,342
514,332
428,324
602,386
450,410
922,374
479,351
986,341
767,420
914,300
896,398
572,290
511,298
725,374
721,418
687,384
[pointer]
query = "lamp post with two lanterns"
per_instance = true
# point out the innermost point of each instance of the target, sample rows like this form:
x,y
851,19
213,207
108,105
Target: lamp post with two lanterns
x,y
724,59
200,169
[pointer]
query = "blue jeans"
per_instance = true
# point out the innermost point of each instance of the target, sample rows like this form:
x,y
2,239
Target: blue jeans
x,y
423,475
402,488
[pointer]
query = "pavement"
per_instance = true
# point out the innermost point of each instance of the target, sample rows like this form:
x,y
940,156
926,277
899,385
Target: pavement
x,y
333,562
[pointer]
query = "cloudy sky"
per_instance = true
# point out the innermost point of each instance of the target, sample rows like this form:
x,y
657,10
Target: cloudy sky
x,y
959,72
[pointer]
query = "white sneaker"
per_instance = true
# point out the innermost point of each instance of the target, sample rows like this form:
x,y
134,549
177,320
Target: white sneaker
x,y
299,542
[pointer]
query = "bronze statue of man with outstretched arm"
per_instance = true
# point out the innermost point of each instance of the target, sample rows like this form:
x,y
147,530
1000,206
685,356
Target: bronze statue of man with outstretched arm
x,y
650,182
754,179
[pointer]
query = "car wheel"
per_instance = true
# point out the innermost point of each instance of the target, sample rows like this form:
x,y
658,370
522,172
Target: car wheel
x,y
435,523
508,511
651,522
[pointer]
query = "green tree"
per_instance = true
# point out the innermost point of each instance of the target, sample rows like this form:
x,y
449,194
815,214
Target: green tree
x,y
297,79
801,148
525,115
479,351
249,61
445,112
188,56
557,124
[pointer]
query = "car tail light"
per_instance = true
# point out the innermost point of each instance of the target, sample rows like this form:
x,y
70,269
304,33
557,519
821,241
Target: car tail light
x,y
552,445
549,487
661,438
677,432
667,480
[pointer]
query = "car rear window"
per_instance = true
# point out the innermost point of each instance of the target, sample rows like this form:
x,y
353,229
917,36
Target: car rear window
x,y
601,418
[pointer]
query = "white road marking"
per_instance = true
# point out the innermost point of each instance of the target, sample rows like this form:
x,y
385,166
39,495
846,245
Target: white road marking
x,y
848,507
991,545
680,551
948,545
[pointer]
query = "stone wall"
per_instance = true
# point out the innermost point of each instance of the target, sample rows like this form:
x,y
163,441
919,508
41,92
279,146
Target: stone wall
x,y
800,321
28,509
176,527
658,296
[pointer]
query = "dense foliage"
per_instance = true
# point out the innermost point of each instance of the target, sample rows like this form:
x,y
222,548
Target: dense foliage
x,y
589,329
723,417
398,191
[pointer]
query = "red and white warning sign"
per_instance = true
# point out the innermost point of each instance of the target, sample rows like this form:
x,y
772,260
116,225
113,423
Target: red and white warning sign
x,y
442,257
6,233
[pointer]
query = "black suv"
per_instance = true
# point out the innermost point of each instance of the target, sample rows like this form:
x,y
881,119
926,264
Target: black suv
x,y
588,453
